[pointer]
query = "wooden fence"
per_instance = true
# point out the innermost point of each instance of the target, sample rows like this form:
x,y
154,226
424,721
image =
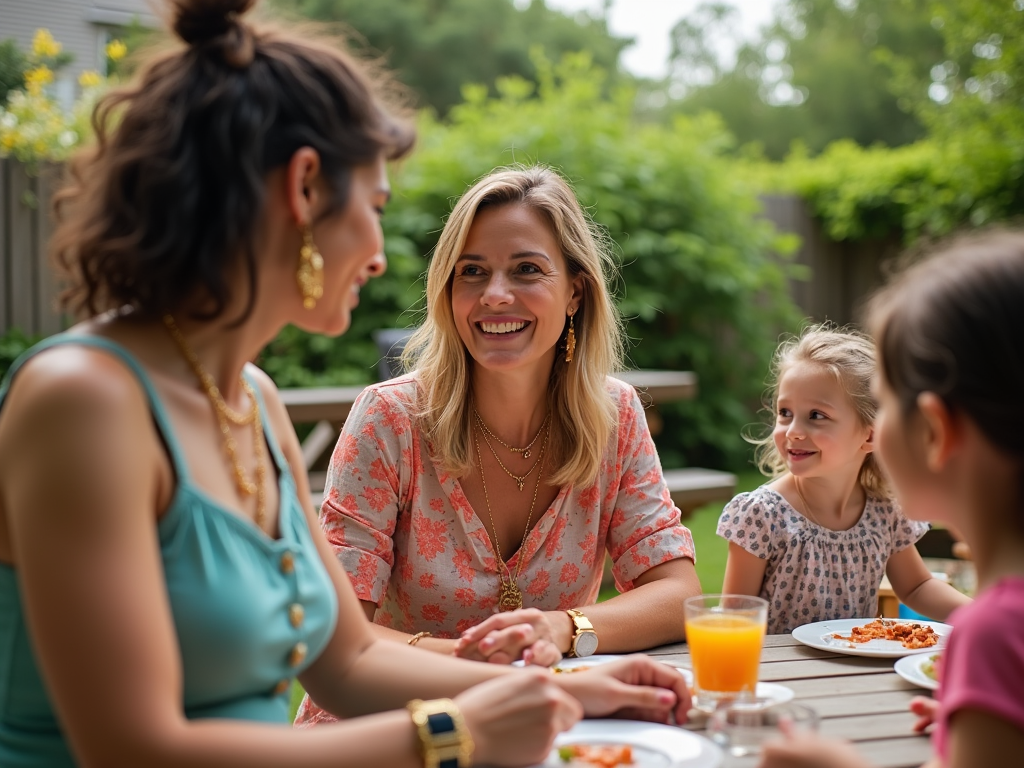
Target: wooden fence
x,y
27,286
842,274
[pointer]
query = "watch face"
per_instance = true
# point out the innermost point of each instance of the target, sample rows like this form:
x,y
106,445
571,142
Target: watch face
x,y
586,644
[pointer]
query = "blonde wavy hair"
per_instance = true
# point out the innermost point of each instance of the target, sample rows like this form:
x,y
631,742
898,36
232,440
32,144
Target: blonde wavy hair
x,y
847,354
583,414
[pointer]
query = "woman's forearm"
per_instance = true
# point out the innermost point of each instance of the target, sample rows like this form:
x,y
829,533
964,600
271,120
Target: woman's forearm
x,y
440,645
388,674
648,615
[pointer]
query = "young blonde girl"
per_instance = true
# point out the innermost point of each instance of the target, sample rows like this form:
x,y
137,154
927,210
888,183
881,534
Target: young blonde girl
x,y
951,416
816,540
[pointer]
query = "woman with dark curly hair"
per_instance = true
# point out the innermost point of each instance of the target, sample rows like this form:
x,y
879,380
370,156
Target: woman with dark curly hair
x,y
162,581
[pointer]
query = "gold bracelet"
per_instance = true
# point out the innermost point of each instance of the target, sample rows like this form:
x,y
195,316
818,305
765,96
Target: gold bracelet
x,y
444,740
417,637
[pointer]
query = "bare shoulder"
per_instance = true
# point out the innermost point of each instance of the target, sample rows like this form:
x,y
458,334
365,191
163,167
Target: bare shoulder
x,y
75,382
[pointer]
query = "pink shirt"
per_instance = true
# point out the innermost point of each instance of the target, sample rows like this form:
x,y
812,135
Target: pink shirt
x,y
412,544
982,668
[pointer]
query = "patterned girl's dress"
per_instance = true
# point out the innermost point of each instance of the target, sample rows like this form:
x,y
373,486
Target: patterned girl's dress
x,y
815,573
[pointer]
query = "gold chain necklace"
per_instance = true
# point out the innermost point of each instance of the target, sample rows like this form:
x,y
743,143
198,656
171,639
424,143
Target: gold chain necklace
x,y
525,450
807,507
520,479
510,598
226,417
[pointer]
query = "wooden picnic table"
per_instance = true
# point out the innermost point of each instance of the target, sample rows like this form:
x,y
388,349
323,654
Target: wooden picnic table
x,y
307,405
860,699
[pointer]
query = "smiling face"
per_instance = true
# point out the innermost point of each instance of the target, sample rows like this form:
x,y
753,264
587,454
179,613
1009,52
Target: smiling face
x,y
817,429
512,289
352,245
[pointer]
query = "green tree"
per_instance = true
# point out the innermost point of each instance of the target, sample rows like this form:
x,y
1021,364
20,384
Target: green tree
x,y
698,286
437,46
13,63
822,71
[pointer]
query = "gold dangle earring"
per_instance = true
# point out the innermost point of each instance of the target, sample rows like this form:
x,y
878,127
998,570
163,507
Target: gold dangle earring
x,y
310,274
570,340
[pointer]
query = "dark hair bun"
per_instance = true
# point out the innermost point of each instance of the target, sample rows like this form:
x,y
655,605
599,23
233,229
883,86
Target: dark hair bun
x,y
217,25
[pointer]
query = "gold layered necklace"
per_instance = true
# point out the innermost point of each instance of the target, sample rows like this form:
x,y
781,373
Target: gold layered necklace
x,y
524,450
225,418
510,598
520,479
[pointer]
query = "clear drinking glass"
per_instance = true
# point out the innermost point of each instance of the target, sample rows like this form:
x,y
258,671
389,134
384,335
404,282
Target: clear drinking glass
x,y
743,725
725,634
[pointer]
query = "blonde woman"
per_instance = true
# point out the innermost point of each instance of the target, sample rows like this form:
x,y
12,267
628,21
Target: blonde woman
x,y
472,501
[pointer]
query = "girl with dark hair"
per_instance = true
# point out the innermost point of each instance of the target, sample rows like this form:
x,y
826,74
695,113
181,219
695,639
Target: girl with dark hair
x,y
949,426
162,576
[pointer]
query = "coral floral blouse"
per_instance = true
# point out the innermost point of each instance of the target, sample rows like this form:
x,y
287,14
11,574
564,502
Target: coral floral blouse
x,y
412,544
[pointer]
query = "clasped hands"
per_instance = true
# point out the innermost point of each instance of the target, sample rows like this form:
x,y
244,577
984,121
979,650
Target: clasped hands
x,y
534,636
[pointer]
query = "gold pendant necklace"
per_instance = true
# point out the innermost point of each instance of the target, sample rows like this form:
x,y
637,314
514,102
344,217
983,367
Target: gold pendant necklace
x,y
226,417
520,479
526,449
510,597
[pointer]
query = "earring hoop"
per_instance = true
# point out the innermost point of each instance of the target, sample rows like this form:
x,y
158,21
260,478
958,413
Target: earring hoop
x,y
310,274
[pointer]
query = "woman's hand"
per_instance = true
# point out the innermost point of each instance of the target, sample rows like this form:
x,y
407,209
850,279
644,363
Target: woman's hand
x,y
926,710
514,718
637,687
505,637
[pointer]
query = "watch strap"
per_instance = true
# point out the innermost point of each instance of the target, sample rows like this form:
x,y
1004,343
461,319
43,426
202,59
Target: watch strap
x,y
444,739
582,625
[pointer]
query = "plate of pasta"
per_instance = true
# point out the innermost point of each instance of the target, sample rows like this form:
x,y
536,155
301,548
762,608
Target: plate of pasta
x,y
631,744
882,638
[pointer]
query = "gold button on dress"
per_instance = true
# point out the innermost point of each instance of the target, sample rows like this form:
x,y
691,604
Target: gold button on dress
x,y
287,562
297,655
296,613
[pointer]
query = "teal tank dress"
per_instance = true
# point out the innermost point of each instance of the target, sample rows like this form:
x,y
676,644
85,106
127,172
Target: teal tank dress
x,y
250,612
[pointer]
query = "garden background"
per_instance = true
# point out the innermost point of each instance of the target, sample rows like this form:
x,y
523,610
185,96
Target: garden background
x,y
893,121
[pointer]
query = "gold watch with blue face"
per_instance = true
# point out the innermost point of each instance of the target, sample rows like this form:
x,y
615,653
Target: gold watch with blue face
x,y
584,639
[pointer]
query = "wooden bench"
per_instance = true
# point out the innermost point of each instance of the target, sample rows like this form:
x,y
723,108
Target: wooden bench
x,y
692,488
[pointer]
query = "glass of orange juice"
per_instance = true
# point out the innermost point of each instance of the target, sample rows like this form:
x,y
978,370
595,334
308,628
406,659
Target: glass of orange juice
x,y
725,633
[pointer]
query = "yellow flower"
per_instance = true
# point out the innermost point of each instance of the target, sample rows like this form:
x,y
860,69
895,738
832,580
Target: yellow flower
x,y
44,46
116,50
36,79
89,79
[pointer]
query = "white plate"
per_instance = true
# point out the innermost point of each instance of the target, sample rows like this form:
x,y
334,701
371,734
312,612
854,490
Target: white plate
x,y
910,668
654,745
819,635
586,661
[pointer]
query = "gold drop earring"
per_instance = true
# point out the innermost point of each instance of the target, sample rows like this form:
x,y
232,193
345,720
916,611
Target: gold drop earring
x,y
310,274
570,340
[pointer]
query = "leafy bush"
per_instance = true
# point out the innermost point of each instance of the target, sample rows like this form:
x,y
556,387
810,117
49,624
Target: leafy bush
x,y
12,344
698,285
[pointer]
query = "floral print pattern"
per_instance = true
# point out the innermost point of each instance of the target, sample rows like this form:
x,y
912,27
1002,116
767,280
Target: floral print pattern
x,y
411,543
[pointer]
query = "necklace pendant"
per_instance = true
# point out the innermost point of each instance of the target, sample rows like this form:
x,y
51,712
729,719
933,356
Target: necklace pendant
x,y
520,481
510,598
526,453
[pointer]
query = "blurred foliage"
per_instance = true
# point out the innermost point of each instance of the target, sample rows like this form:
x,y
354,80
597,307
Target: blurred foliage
x,y
969,171
13,63
12,344
698,285
436,46
822,71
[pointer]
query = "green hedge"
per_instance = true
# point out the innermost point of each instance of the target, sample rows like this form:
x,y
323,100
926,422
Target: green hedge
x,y
698,285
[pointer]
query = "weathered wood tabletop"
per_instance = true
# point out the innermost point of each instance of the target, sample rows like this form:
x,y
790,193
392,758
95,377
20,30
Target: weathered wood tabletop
x,y
859,699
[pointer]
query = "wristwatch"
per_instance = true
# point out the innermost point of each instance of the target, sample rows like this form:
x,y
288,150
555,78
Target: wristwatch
x,y
584,640
444,740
